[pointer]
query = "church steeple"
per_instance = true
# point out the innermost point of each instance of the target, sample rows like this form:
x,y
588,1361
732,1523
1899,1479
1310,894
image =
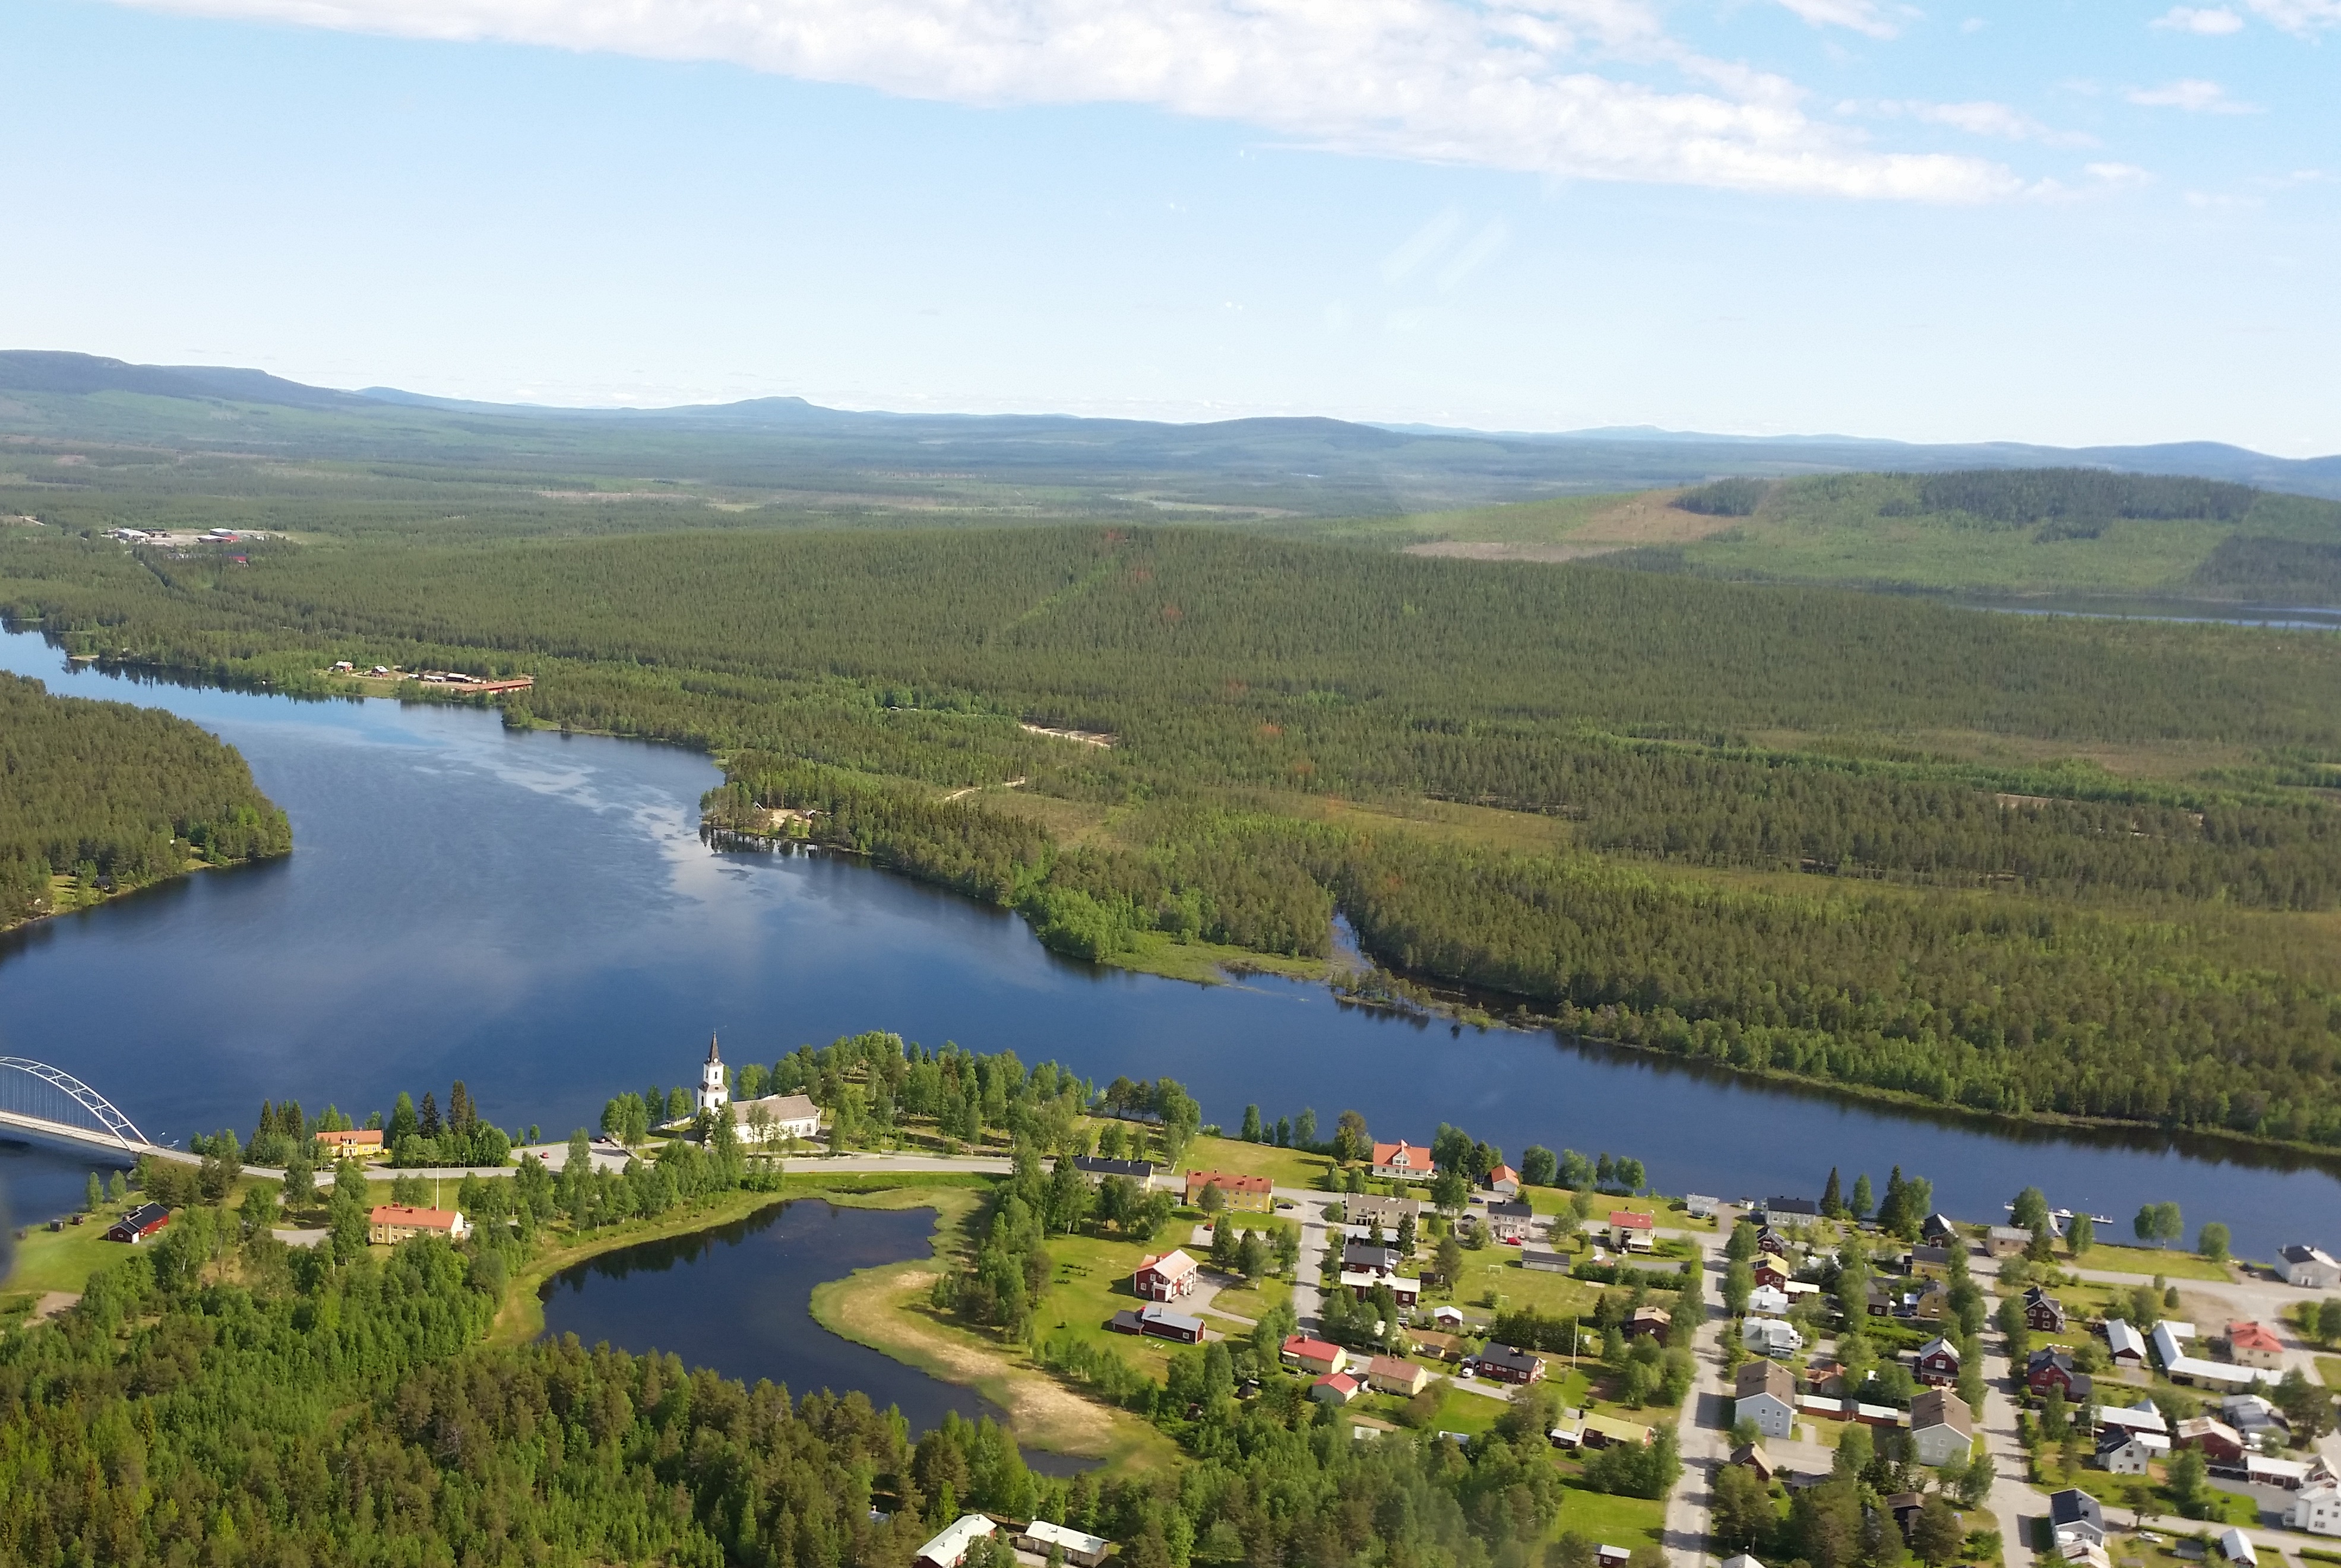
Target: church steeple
x,y
715,1086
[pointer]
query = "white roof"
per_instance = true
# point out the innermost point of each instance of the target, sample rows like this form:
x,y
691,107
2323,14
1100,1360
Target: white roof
x,y
957,1537
2139,1418
1369,1279
2203,1371
2123,1336
2238,1547
2166,1344
2277,1469
1742,1560
1072,1540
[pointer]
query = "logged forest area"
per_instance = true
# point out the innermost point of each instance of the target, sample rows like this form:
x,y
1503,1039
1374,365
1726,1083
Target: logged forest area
x,y
2024,865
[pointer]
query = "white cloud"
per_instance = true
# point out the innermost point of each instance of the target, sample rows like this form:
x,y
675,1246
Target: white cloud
x,y
2301,16
1508,83
2210,20
1861,15
2121,176
2193,94
1979,118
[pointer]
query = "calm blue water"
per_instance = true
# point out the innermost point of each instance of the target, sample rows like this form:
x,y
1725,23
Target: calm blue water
x,y
536,915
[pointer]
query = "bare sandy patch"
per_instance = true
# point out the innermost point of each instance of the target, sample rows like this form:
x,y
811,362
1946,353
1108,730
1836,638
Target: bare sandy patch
x,y
1490,549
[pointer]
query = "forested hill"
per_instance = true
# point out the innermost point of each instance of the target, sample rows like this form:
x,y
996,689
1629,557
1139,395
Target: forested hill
x,y
114,798
2020,864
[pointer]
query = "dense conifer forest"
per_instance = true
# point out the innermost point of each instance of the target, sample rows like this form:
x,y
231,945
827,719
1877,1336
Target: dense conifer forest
x,y
115,796
2021,865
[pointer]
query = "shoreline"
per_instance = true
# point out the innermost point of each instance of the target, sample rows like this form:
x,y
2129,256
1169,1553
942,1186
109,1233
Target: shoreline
x,y
1207,965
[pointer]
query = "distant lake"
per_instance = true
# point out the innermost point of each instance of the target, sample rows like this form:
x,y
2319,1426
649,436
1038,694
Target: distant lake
x,y
2275,616
536,915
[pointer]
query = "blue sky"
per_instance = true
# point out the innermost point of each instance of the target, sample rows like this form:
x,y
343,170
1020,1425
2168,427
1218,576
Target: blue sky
x,y
2037,221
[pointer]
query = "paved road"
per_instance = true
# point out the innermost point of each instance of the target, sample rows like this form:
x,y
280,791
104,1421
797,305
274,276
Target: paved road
x,y
1704,1440
1315,1232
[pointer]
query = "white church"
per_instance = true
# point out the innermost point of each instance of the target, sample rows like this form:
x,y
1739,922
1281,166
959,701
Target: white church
x,y
785,1115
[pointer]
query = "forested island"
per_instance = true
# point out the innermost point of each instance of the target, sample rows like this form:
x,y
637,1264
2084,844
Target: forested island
x,y
98,799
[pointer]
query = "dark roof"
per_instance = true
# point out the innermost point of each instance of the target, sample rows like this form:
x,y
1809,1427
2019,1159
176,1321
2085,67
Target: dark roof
x,y
1137,1170
2299,1251
1504,1355
1801,1206
1941,1255
1511,1210
1367,1252
2073,1506
1156,1311
146,1216
1937,1227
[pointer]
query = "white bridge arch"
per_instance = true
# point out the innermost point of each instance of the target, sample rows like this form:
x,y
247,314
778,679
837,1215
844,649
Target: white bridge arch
x,y
64,1106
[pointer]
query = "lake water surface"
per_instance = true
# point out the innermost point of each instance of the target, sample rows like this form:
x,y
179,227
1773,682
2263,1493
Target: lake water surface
x,y
536,915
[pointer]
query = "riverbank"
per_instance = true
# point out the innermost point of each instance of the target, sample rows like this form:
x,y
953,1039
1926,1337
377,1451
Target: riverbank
x,y
886,1309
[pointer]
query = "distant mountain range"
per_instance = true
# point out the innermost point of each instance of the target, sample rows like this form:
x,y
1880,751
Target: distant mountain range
x,y
1313,465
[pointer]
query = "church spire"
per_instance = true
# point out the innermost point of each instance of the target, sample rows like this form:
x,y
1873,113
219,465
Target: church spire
x,y
713,1054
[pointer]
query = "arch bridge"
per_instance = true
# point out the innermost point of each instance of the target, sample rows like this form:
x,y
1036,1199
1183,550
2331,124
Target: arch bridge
x,y
49,1102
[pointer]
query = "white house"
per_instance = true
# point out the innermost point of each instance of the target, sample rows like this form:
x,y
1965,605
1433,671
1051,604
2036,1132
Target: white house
x,y
2316,1510
1769,1300
1772,1335
1765,1393
949,1550
1942,1428
2236,1547
713,1092
786,1117
2309,1267
1082,1550
2129,1452
2125,1344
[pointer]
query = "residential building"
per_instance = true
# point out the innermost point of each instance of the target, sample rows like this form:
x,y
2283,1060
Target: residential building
x,y
1510,1221
2238,1548
1504,1181
1777,1209
1336,1389
1388,1375
1095,1169
1374,1209
1942,1427
1403,1159
1771,1271
1772,1336
1362,1284
1629,1231
1939,1231
1505,1364
1766,1396
1698,1206
2219,1443
1648,1321
949,1550
1742,1560
2043,1313
139,1224
2316,1510
1366,1257
2007,1240
784,1117
1313,1354
1881,1300
351,1143
2126,1453
1769,1300
1769,1240
2251,1344
2053,1368
2263,1425
2125,1344
1928,1262
1931,1302
1752,1456
1157,1321
1169,1278
2074,1515
1611,1432
1041,1537
2309,1267
1545,1259
1243,1194
391,1222
1937,1362
2140,1417
1430,1342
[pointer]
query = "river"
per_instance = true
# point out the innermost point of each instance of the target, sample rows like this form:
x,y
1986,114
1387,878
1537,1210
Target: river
x,y
536,915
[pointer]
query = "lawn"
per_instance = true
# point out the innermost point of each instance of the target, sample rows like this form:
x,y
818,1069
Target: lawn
x,y
1498,1269
1608,1520
1253,1301
1285,1168
2146,1261
2328,1367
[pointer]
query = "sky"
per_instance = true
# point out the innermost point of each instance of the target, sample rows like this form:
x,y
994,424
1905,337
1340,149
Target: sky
x,y
2024,220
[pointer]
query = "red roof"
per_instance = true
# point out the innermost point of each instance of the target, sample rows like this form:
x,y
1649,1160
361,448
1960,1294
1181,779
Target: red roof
x,y
1387,1153
1228,1181
1626,1218
1172,1265
1341,1380
1308,1349
2252,1336
1503,1173
400,1214
365,1135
